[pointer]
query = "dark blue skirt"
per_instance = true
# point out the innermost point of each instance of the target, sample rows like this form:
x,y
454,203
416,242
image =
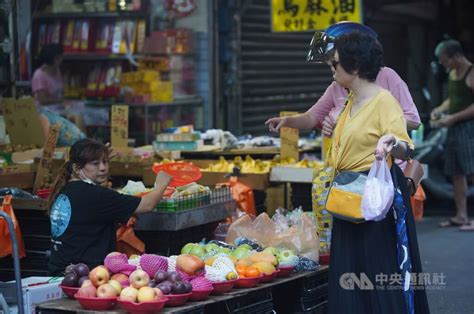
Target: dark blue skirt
x,y
364,273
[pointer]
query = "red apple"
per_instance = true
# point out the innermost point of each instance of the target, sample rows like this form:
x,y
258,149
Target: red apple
x,y
139,278
87,283
158,294
106,291
117,286
99,275
129,294
88,291
122,278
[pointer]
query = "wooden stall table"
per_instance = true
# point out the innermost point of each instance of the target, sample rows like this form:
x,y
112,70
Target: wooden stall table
x,y
312,285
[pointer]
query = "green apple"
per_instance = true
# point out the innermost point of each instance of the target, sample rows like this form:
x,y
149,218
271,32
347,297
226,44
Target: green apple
x,y
245,247
187,248
198,250
271,250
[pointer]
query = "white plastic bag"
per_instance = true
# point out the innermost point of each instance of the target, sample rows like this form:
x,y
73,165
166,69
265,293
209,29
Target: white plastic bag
x,y
378,192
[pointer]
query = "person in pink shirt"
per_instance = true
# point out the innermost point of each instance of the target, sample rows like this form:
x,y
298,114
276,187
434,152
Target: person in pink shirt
x,y
48,89
323,114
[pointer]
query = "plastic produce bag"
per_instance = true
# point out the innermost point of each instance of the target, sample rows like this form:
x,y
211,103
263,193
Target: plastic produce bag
x,y
378,192
127,241
263,230
6,243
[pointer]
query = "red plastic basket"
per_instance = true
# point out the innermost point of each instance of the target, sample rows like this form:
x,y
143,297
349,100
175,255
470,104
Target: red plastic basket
x,y
44,193
268,278
248,282
177,299
142,307
96,304
182,172
69,291
199,295
223,287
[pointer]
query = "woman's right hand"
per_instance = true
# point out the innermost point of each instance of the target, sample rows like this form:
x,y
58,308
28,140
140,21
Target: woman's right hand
x,y
275,124
328,126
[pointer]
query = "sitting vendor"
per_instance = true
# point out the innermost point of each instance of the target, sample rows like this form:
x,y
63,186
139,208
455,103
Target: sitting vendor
x,y
84,214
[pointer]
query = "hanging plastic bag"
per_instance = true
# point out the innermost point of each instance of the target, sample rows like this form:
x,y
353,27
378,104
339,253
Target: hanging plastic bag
x,y
378,192
127,241
6,243
242,194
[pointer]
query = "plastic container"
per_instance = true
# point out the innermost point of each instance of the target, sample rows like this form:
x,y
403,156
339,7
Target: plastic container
x,y
177,299
199,295
142,307
44,193
269,278
96,304
285,271
224,286
324,259
247,282
182,172
69,291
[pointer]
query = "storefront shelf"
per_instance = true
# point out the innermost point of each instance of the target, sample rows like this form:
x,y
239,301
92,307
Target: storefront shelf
x,y
71,15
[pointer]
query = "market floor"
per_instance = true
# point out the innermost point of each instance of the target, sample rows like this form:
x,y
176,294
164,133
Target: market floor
x,y
449,252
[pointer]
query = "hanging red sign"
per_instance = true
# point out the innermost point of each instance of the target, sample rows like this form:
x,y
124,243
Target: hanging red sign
x,y
181,8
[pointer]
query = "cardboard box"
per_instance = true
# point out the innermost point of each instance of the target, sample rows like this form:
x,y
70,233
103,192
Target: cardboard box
x,y
291,174
37,290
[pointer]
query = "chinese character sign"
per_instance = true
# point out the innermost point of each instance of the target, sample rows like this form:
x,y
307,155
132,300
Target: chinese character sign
x,y
310,15
119,126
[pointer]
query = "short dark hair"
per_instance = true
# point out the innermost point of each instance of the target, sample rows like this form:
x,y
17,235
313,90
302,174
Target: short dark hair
x,y
49,53
360,52
450,47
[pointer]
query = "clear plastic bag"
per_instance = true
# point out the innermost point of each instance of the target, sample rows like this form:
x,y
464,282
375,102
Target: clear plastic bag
x,y
378,192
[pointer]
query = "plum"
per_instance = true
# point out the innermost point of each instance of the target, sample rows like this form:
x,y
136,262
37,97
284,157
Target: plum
x,y
161,276
166,289
174,276
70,280
69,269
188,286
81,270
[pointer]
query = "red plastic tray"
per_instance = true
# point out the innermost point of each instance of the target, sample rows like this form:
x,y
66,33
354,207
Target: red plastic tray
x,y
268,278
69,291
143,307
199,295
285,271
177,299
182,172
96,304
223,287
248,282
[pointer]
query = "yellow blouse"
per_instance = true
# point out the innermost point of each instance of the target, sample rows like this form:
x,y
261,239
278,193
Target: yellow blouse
x,y
355,138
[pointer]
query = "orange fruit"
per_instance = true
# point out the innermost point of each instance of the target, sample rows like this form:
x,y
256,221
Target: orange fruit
x,y
252,272
241,269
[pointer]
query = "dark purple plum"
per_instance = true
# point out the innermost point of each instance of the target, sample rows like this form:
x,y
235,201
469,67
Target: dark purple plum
x,y
178,288
81,280
81,270
69,269
70,280
166,289
161,276
174,276
188,286
152,283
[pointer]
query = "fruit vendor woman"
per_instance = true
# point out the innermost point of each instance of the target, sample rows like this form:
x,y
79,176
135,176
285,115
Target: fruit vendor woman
x,y
84,214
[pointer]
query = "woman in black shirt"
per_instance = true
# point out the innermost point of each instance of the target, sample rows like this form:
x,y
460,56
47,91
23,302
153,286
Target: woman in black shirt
x,y
84,214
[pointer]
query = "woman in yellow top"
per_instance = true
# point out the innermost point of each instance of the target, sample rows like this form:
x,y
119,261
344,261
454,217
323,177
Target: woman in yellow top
x,y
364,272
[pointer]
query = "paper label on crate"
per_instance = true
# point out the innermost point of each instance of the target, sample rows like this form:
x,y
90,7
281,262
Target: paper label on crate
x,y
46,163
119,126
22,121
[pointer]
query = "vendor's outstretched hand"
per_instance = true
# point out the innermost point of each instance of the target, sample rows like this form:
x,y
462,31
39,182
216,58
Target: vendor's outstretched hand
x,y
384,146
275,124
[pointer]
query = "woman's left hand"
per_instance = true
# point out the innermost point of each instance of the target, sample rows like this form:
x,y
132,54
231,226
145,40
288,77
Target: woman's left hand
x,y
384,146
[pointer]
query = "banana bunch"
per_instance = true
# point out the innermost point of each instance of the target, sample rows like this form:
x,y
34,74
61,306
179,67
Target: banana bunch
x,y
221,166
189,189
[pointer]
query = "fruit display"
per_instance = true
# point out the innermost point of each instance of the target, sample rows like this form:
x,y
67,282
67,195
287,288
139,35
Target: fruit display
x,y
75,275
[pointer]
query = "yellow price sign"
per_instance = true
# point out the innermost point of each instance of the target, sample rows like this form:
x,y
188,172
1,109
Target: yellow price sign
x,y
311,15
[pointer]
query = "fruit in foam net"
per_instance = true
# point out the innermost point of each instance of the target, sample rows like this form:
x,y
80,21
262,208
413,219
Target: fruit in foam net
x,y
146,294
99,276
122,278
117,286
129,294
106,291
139,278
87,291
